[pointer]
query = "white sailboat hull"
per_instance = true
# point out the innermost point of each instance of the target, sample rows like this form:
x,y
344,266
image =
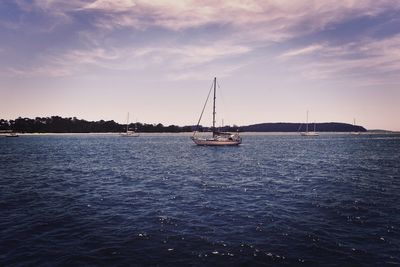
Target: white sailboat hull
x,y
130,135
214,142
309,134
12,135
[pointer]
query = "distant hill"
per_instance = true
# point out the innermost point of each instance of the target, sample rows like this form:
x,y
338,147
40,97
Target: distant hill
x,y
56,124
379,131
295,127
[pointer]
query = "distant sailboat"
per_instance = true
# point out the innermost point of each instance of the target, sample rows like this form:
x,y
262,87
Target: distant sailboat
x,y
12,134
218,138
356,132
129,133
307,133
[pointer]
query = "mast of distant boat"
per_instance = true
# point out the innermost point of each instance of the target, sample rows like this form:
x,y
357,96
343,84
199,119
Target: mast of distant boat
x,y
354,126
307,122
127,123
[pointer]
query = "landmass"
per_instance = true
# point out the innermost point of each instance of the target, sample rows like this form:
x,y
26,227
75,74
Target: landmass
x,y
57,124
296,127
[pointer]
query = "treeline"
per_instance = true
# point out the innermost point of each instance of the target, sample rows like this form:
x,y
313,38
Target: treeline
x,y
56,124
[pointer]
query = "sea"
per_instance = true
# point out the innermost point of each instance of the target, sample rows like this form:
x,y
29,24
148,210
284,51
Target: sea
x,y
160,200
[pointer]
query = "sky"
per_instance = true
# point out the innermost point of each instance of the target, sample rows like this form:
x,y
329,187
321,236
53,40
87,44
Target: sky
x,y
273,59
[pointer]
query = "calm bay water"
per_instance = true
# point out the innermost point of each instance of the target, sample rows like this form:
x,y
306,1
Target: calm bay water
x,y
92,200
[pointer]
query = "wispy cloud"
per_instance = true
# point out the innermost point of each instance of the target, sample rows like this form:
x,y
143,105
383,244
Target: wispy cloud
x,y
48,71
239,28
370,59
200,73
52,14
303,51
275,19
181,60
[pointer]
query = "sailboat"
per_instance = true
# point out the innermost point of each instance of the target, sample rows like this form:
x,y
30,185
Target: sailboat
x,y
217,138
307,133
12,134
129,133
355,133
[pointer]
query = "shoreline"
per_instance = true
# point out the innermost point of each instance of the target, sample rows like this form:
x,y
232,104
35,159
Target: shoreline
x,y
201,133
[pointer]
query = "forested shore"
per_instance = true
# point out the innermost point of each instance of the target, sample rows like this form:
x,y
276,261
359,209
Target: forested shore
x,y
57,124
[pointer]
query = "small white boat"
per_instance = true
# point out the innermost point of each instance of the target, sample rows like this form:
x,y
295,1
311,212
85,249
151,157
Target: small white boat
x,y
355,133
217,138
307,133
129,132
12,134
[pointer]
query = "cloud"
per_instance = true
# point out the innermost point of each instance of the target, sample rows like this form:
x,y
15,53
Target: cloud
x,y
302,51
202,73
47,71
365,59
198,32
267,20
113,6
272,20
176,57
182,60
41,15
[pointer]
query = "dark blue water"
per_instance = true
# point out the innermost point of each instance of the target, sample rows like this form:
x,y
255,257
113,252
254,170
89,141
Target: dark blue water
x,y
162,201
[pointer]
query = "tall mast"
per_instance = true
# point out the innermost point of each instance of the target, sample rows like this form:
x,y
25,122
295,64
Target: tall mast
x,y
215,89
127,122
307,122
